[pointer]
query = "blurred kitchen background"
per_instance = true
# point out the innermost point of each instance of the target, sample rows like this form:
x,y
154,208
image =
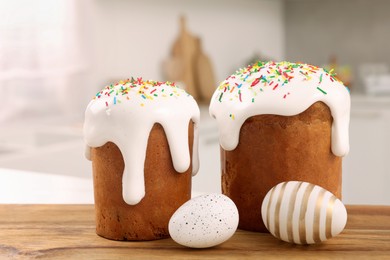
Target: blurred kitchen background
x,y
56,54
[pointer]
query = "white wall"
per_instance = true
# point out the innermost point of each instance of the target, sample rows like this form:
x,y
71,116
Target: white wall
x,y
354,32
132,38
116,39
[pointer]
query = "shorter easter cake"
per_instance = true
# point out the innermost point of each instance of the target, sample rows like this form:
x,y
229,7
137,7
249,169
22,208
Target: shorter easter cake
x,y
142,139
279,121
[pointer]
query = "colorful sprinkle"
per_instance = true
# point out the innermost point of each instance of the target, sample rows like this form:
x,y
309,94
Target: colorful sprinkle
x,y
263,76
321,90
254,83
131,88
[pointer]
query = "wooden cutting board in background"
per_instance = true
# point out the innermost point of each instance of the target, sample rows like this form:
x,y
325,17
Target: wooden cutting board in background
x,y
204,75
190,65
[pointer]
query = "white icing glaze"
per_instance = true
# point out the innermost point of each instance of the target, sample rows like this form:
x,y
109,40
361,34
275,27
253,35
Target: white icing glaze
x,y
282,89
125,114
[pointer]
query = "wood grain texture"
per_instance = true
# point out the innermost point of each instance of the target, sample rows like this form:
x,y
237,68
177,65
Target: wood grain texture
x,y
68,232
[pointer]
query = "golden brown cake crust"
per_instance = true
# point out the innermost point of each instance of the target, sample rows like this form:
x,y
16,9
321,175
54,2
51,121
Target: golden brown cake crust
x,y
274,149
165,189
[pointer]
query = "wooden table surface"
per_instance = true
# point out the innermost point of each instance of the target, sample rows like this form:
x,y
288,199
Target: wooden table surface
x,y
68,232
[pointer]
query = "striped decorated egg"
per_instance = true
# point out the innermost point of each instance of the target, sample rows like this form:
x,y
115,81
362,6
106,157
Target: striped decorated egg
x,y
302,213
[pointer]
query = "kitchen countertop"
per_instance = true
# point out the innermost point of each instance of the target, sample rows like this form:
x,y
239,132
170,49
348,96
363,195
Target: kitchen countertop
x,y
30,187
68,232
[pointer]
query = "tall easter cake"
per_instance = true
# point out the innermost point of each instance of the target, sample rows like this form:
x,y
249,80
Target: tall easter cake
x,y
279,121
142,139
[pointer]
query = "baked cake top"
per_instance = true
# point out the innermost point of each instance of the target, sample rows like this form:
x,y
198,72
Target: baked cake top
x,y
280,88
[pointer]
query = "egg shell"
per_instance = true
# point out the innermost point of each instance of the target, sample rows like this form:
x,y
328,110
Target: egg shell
x,y
303,213
204,221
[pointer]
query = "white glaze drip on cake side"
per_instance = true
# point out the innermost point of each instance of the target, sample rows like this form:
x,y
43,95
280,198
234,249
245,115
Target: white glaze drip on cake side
x,y
125,113
279,88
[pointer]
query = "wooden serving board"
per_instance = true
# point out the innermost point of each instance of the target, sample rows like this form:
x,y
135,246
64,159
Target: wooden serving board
x,y
190,65
68,232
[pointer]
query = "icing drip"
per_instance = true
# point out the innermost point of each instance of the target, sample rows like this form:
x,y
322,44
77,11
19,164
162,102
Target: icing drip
x,y
125,113
281,88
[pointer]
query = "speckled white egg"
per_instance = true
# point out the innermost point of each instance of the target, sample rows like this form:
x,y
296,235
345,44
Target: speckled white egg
x,y
204,221
303,213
